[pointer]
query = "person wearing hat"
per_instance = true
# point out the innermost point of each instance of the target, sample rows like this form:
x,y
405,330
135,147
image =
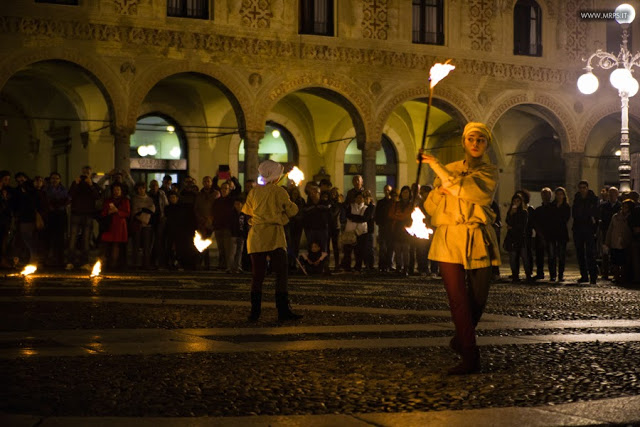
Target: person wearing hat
x,y
270,208
465,243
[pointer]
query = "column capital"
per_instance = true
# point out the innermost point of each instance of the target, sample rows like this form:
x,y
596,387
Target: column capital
x,y
372,146
252,138
122,131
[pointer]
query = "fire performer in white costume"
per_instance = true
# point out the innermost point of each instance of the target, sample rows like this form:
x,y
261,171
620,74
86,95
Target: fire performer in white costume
x,y
270,208
465,242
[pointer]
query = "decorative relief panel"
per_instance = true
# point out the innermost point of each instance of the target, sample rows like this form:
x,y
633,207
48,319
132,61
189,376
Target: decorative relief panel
x,y
126,7
480,32
374,20
256,13
576,29
215,44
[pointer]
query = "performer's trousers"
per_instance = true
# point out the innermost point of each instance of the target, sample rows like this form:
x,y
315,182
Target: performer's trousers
x,y
278,267
467,291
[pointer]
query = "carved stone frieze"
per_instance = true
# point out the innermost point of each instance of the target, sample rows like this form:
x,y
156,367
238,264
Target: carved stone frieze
x,y
480,31
256,13
215,44
126,7
375,19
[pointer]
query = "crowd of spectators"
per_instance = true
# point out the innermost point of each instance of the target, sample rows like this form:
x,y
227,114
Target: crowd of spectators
x,y
135,225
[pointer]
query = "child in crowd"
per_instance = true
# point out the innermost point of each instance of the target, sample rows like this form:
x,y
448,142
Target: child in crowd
x,y
314,260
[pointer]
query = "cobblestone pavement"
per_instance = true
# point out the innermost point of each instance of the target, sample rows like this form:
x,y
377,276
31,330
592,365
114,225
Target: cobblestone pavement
x,y
169,344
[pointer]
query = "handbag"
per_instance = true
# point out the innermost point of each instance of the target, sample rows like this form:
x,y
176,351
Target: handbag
x,y
348,238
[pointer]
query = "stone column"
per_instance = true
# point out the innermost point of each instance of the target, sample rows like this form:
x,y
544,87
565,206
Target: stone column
x,y
122,147
369,166
573,168
251,142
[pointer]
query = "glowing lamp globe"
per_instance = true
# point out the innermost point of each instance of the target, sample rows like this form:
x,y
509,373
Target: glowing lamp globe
x,y
630,86
619,77
142,151
151,150
625,14
588,83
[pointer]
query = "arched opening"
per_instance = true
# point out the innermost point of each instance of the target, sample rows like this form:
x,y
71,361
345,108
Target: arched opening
x,y
543,165
56,116
278,144
386,165
158,148
603,144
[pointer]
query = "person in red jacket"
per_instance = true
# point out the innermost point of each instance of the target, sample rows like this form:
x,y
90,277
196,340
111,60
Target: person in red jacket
x,y
116,211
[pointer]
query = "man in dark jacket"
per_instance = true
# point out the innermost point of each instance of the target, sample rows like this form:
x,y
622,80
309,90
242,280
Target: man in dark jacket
x,y
316,217
541,223
84,194
384,226
608,208
585,222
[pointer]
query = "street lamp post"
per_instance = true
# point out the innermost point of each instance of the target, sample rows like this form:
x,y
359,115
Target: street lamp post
x,y
621,79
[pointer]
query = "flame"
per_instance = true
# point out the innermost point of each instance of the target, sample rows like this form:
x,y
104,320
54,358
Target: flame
x,y
418,228
201,244
28,269
97,268
439,72
296,175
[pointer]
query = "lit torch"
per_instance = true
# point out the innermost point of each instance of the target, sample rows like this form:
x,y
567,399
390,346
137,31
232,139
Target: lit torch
x,y
436,74
28,269
97,268
296,175
200,243
418,228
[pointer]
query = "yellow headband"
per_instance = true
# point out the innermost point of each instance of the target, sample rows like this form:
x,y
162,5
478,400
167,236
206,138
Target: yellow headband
x,y
477,127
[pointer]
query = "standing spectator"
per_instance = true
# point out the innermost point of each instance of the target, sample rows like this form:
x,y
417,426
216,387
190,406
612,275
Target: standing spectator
x,y
42,219
516,240
356,227
336,209
531,214
384,230
158,224
116,210
368,237
358,188
85,195
634,223
222,224
239,233
558,233
497,225
6,217
166,185
120,176
325,185
316,217
26,204
585,222
178,231
270,208
187,254
58,199
295,227
541,218
618,240
142,209
400,214
608,208
204,212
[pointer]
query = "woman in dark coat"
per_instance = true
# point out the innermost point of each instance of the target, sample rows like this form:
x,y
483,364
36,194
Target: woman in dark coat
x,y
558,233
516,242
400,214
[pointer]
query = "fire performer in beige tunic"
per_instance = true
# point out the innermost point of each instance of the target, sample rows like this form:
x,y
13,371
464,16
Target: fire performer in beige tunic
x,y
270,208
465,242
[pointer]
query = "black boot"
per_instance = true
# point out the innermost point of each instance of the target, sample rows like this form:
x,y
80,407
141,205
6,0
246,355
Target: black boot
x,y
470,363
256,306
284,309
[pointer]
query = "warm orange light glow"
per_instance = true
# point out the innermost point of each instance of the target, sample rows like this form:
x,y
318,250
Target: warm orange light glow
x,y
29,269
296,175
418,228
200,243
97,268
439,72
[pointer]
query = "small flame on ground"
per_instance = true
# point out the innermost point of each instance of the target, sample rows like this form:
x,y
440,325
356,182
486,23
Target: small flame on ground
x,y
418,228
201,244
439,72
296,175
28,269
97,268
